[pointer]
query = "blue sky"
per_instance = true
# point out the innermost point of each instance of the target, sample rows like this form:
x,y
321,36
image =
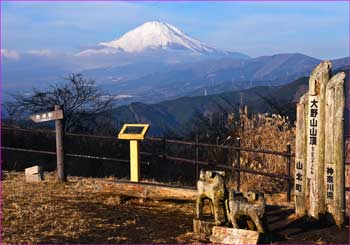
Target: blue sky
x,y
318,29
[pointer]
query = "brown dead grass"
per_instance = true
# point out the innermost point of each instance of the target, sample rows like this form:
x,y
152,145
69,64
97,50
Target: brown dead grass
x,y
268,132
82,211
79,211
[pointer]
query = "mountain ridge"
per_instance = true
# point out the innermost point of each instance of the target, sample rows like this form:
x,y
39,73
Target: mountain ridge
x,y
176,115
218,75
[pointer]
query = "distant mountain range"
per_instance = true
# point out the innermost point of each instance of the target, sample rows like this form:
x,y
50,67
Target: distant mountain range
x,y
213,76
175,116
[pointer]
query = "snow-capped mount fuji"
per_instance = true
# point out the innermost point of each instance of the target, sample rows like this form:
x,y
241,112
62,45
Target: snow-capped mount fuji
x,y
155,36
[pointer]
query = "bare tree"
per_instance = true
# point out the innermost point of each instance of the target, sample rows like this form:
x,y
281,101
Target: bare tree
x,y
83,103
11,112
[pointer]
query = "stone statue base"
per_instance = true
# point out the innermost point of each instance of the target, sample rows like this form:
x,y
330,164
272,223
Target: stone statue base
x,y
202,229
224,235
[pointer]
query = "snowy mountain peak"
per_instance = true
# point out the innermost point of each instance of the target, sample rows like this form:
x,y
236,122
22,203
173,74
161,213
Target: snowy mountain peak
x,y
158,36
154,35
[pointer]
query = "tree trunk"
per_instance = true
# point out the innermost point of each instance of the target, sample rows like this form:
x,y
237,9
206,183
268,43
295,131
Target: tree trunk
x,y
150,190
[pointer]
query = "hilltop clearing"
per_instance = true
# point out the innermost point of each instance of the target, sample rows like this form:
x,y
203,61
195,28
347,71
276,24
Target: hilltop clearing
x,y
83,211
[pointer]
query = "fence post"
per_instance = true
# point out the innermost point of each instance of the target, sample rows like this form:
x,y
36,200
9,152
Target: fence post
x,y
154,153
238,161
289,187
59,148
155,159
197,157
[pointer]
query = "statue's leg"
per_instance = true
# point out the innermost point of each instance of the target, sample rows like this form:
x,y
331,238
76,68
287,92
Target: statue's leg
x,y
233,219
251,225
257,222
227,211
211,207
199,207
216,203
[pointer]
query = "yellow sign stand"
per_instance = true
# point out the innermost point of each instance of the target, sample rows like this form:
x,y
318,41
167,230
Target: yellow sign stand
x,y
134,133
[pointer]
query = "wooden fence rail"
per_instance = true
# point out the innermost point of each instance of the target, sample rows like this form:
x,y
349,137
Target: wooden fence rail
x,y
165,156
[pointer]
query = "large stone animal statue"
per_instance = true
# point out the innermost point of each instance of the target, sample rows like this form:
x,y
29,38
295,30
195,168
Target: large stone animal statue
x,y
211,185
246,203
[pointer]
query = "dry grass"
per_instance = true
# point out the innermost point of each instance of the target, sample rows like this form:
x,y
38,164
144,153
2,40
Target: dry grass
x,y
83,211
269,132
80,211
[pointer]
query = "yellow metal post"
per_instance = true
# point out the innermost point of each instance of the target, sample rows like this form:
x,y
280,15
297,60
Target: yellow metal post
x,y
134,161
134,133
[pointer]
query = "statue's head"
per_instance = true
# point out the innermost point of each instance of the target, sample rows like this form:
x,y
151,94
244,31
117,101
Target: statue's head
x,y
251,196
209,174
222,173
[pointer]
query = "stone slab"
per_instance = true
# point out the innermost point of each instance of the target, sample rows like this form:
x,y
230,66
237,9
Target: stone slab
x,y
34,178
224,235
33,170
34,174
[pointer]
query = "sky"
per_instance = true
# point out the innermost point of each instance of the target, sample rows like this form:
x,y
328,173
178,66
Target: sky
x,y
318,29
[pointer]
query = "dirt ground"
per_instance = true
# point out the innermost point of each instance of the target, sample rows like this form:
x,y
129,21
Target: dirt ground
x,y
81,211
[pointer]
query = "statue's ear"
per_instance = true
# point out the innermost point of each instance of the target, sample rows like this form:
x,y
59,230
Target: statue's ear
x,y
251,196
254,196
201,174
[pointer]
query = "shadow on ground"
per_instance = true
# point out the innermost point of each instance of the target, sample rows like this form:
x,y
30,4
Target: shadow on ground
x,y
128,223
284,229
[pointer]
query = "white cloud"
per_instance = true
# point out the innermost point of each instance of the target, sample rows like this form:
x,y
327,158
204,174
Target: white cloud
x,y
10,54
103,51
41,52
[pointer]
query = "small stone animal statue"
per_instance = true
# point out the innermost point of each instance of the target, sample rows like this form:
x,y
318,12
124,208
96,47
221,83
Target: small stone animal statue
x,y
246,203
211,185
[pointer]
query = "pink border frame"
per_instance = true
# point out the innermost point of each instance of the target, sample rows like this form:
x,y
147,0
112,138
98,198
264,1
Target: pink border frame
x,y
145,1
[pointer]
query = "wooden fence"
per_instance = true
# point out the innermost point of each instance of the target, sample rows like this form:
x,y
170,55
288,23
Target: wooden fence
x,y
159,150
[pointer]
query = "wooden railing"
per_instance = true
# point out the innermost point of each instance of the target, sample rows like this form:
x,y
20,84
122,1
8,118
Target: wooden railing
x,y
165,156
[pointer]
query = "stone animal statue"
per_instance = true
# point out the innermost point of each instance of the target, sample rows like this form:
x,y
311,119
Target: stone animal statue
x,y
211,185
246,203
